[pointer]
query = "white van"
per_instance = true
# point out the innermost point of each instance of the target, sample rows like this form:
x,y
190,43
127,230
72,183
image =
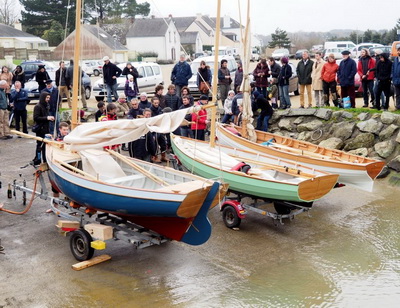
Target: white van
x,y
356,51
348,45
232,66
150,76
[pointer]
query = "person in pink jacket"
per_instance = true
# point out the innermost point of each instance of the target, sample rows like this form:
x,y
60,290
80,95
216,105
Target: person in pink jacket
x,y
199,119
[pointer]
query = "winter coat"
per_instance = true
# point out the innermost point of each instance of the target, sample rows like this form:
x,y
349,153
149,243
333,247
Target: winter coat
x,y
261,81
144,104
204,74
41,78
364,67
155,111
144,146
238,98
63,81
188,117
3,99
53,99
383,70
40,114
304,71
284,75
222,72
191,100
316,75
19,76
130,71
396,71
109,71
19,99
199,118
238,77
181,73
171,101
275,70
134,113
8,78
347,71
329,70
264,105
129,91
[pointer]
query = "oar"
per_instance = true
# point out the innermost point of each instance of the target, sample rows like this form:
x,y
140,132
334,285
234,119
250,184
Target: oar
x,y
138,168
57,143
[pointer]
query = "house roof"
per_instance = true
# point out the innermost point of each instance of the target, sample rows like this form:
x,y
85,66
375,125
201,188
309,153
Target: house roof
x,y
201,26
189,37
104,37
182,23
7,31
234,24
148,28
209,21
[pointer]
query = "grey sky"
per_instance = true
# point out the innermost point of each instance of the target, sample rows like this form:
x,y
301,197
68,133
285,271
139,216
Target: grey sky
x,y
290,15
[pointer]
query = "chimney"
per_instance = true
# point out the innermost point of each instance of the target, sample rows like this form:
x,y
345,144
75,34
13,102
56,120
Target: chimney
x,y
170,16
198,16
226,22
18,25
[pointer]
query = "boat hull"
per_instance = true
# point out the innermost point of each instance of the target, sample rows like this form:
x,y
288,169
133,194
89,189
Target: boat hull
x,y
358,175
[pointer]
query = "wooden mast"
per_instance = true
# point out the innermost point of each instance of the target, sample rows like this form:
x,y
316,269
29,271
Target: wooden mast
x,y
215,77
77,47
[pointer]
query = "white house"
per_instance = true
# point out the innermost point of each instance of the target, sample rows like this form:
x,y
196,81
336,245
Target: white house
x,y
11,37
154,35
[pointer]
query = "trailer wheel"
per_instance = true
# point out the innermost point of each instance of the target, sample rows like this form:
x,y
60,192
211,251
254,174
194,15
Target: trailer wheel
x,y
281,208
80,245
230,217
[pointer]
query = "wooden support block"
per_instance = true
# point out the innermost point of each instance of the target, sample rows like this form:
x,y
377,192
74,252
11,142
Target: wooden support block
x,y
99,232
68,224
85,264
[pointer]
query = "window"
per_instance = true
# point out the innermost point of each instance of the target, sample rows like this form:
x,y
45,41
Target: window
x,y
149,71
141,71
169,33
156,70
174,37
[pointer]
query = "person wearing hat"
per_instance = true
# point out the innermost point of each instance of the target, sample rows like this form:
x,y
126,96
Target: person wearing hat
x,y
143,102
181,73
396,78
199,120
110,74
283,83
4,113
41,77
53,105
347,71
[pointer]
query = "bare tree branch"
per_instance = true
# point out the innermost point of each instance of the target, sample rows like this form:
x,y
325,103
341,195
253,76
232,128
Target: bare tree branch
x,y
9,11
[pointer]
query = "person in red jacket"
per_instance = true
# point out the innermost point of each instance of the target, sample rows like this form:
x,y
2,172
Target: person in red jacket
x,y
365,64
199,120
328,76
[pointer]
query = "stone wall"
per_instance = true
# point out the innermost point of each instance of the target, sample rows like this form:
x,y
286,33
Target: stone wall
x,y
374,135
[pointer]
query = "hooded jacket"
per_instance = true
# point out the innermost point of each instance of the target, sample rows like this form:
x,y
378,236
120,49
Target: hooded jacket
x,y
40,114
383,69
19,75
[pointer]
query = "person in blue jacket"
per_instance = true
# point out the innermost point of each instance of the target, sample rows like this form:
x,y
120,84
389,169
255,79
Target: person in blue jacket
x,y
347,71
19,100
396,78
181,73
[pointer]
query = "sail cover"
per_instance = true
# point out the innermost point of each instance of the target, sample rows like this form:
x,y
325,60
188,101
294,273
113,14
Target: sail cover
x,y
101,134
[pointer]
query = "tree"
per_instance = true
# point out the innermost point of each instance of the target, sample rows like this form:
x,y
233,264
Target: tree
x,y
9,12
55,35
279,39
38,15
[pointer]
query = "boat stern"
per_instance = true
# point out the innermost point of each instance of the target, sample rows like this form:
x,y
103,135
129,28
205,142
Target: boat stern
x,y
307,189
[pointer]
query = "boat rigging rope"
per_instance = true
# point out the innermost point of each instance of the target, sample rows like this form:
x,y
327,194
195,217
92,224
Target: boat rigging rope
x,y
37,175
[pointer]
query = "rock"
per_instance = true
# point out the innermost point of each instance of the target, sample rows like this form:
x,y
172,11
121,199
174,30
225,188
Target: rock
x,y
304,136
275,117
398,138
299,120
66,116
332,143
363,140
286,124
301,112
360,152
397,119
309,126
370,126
342,130
363,116
395,163
387,132
337,114
387,117
385,148
384,173
347,115
323,113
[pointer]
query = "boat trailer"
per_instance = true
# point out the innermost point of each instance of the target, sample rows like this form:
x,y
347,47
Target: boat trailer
x,y
87,227
234,210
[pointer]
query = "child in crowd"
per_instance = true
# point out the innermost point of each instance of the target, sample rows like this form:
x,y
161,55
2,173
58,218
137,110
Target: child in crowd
x,y
199,120
273,93
123,104
228,116
63,130
131,90
101,106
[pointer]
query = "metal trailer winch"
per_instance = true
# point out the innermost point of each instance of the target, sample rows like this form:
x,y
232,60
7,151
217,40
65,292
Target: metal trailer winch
x,y
82,244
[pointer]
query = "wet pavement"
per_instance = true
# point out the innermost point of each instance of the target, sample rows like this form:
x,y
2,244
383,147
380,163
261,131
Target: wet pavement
x,y
345,254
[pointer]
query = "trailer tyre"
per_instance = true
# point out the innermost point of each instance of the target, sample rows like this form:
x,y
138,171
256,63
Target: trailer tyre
x,y
230,217
80,245
281,208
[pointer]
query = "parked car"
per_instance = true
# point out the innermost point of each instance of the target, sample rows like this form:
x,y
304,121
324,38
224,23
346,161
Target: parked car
x,y
30,68
356,51
337,52
385,49
33,88
150,76
280,53
299,54
395,45
93,67
232,66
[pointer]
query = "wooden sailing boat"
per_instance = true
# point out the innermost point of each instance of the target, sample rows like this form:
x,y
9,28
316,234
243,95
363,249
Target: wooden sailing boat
x,y
173,203
267,178
352,169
